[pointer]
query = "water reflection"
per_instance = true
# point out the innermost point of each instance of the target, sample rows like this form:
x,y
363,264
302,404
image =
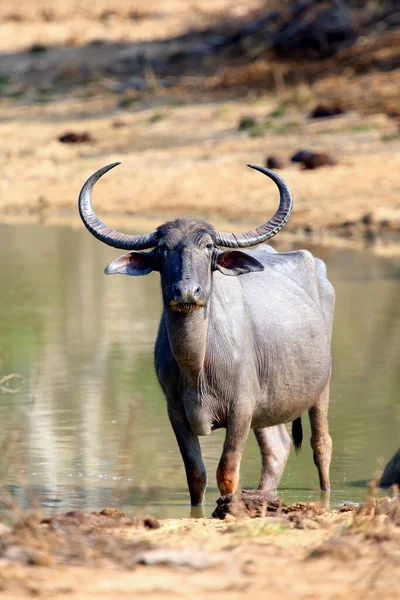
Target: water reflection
x,y
84,344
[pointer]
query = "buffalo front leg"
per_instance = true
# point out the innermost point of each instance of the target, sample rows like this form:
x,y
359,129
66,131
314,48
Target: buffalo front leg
x,y
237,431
274,443
189,446
321,441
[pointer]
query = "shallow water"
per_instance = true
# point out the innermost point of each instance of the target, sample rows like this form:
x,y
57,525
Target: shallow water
x,y
90,428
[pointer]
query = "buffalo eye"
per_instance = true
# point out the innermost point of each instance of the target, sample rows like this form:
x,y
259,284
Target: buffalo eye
x,y
162,253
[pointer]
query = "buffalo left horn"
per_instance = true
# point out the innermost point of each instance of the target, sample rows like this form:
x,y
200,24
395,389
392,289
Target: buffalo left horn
x,y
268,229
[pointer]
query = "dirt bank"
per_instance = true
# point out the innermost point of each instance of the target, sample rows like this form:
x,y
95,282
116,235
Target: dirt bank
x,y
191,159
305,553
182,147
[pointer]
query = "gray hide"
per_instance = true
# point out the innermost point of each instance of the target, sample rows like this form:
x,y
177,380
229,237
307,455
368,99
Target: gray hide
x,y
258,355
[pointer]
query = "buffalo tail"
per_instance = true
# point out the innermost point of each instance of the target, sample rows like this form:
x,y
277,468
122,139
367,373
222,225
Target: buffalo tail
x,y
297,434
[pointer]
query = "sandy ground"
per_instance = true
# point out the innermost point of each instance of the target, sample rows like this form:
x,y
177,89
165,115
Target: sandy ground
x,y
172,166
182,152
303,554
75,21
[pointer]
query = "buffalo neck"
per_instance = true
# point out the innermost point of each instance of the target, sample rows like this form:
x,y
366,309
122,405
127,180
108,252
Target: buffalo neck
x,y
187,333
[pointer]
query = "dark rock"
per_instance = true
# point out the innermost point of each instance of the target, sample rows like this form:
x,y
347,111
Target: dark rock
x,y
366,219
391,473
313,160
301,155
318,159
322,111
274,162
38,48
75,138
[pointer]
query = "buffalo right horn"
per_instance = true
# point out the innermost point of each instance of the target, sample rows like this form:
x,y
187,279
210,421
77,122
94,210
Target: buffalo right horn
x,y
101,231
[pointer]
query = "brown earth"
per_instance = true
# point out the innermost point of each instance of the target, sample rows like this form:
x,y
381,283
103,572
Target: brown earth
x,y
172,166
181,147
305,552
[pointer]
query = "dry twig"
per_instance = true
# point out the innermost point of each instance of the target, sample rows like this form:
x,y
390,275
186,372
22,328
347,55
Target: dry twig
x,y
11,390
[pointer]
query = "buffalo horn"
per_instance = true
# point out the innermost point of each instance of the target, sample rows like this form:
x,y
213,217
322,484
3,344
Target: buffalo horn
x,y
101,231
268,229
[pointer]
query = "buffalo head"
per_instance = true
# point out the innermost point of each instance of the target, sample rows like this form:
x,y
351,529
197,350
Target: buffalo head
x,y
185,252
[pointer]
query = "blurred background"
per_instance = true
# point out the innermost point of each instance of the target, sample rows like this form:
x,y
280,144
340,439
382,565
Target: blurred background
x,y
185,94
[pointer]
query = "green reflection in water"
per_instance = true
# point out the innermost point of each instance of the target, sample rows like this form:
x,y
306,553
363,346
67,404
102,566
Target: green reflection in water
x,y
84,344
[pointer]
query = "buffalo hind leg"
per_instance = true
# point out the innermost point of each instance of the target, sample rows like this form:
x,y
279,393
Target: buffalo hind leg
x,y
274,443
237,431
321,441
189,446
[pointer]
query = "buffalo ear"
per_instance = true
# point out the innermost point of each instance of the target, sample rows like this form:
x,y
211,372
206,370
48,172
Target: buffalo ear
x,y
235,262
132,263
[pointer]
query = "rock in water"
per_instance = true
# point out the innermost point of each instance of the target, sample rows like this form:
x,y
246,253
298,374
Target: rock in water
x,y
391,474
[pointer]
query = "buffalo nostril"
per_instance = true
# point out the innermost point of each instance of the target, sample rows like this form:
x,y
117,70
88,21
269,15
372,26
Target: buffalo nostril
x,y
177,292
197,291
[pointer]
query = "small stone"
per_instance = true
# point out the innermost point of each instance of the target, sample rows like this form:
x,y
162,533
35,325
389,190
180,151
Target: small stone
x,y
323,111
318,159
274,162
300,155
75,138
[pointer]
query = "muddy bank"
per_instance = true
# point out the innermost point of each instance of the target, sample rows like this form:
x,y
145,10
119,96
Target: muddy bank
x,y
82,88
78,90
305,551
171,166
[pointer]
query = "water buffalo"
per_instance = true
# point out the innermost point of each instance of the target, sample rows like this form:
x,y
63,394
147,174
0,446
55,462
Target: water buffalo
x,y
243,342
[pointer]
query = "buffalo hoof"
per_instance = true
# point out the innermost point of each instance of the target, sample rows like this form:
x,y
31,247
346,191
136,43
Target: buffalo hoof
x,y
248,503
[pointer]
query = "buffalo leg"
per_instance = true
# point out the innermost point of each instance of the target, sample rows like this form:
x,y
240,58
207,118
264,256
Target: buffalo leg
x,y
274,443
189,446
237,431
321,441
